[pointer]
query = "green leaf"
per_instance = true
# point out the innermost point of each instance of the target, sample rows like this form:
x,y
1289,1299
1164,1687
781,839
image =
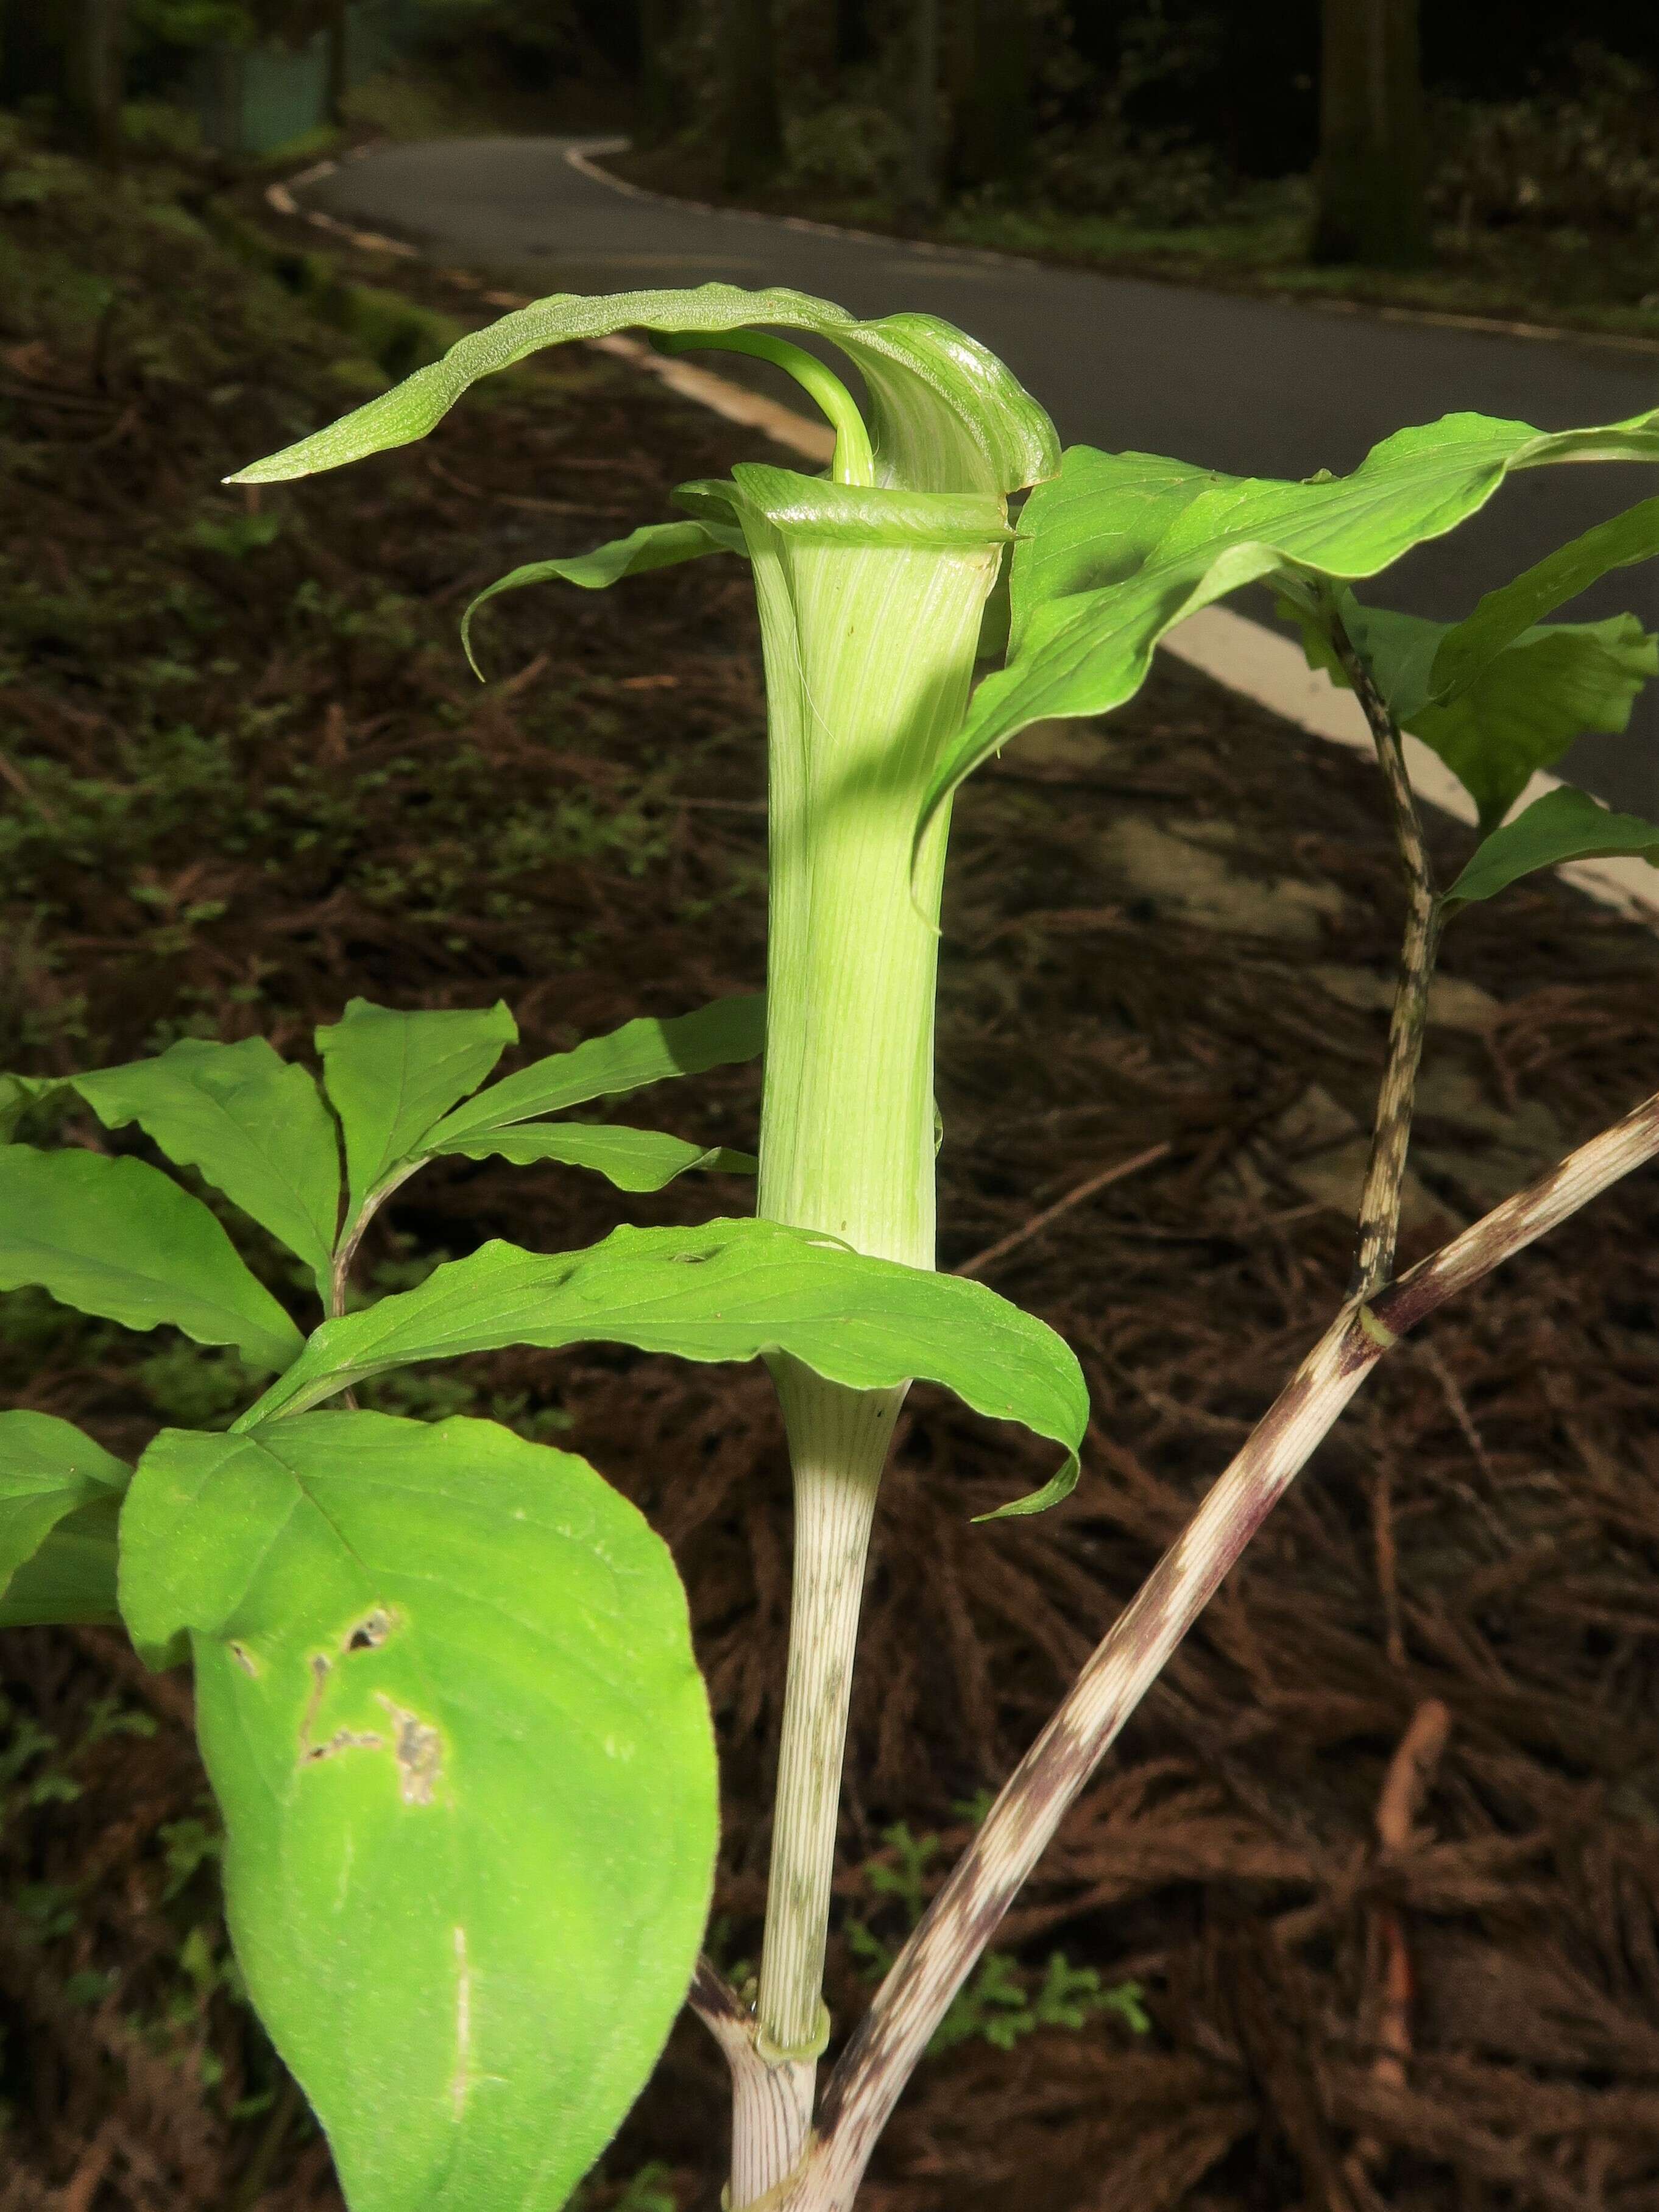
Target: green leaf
x,y
644,1050
1398,649
654,545
121,1239
994,623
725,1290
947,416
72,1579
18,1093
448,1704
1119,548
1519,712
1096,524
52,1476
632,1159
1550,687
711,501
392,1075
251,1123
1564,825
1507,613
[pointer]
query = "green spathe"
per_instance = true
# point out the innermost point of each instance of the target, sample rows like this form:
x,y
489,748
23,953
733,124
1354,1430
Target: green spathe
x,y
447,1702
946,415
871,605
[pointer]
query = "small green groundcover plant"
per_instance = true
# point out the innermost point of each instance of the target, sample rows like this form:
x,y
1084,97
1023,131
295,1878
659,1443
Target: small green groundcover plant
x,y
445,1689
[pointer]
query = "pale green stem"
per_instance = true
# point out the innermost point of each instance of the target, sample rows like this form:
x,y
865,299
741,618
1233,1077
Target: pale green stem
x,y
869,654
838,1443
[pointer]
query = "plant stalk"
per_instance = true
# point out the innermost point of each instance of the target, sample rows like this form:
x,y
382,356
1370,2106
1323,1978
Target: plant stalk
x,y
1385,1170
771,2106
838,1443
869,654
963,1918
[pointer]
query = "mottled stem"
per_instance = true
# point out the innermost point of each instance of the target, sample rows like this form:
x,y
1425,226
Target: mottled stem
x,y
941,1954
771,2106
838,1442
1385,1170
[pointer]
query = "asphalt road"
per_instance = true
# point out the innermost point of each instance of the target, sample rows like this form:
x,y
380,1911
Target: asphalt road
x,y
1254,387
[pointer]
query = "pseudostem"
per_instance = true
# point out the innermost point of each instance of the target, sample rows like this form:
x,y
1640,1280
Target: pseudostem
x,y
869,654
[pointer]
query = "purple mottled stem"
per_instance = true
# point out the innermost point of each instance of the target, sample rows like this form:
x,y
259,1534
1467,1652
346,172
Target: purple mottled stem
x,y
1385,1171
960,1922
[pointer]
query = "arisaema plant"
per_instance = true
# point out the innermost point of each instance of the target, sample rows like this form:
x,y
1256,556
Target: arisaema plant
x,y
446,1693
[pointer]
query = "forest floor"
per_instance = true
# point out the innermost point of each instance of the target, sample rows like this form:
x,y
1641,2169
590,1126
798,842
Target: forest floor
x,y
249,776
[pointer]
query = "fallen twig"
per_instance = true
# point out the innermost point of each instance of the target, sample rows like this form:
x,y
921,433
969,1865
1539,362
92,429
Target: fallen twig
x,y
1407,1783
1039,1222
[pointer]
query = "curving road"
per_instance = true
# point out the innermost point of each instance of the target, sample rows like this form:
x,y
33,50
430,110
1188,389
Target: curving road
x,y
1255,386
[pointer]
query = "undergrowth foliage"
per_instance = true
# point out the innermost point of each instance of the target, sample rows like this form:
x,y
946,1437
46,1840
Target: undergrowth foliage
x,y
401,1625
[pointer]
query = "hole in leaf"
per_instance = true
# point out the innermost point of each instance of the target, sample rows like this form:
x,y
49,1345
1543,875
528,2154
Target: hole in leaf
x,y
371,1630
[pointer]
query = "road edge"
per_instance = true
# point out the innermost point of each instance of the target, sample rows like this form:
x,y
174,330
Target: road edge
x,y
580,156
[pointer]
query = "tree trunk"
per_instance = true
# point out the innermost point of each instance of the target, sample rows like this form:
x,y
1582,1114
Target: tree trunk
x,y
753,126
808,54
924,122
660,103
336,81
97,74
991,132
855,45
1373,156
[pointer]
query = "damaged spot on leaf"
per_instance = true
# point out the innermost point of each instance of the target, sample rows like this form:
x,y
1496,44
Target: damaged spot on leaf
x,y
371,1631
415,1746
244,1658
418,1750
319,1684
346,1738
